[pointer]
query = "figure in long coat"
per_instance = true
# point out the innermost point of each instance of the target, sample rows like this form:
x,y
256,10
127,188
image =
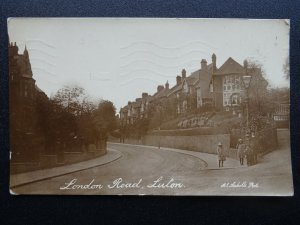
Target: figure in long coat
x,y
221,154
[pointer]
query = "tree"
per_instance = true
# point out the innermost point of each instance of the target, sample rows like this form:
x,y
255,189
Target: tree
x,y
57,126
104,118
73,109
71,98
170,107
286,68
86,126
258,90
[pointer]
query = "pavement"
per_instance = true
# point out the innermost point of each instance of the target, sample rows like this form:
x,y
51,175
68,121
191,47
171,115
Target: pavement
x,y
198,172
209,160
38,175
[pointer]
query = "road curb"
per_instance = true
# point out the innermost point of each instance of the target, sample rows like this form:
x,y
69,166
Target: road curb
x,y
203,156
39,175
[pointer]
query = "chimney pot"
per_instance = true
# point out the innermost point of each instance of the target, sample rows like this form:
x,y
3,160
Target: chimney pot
x,y
214,62
160,88
144,95
183,73
167,85
203,64
178,80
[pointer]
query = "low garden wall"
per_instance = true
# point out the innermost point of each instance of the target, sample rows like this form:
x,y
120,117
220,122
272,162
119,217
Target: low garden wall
x,y
49,161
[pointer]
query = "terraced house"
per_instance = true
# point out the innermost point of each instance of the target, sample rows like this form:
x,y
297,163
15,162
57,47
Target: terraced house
x,y
220,89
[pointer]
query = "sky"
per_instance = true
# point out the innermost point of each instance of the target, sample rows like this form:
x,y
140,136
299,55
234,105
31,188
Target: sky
x,y
117,59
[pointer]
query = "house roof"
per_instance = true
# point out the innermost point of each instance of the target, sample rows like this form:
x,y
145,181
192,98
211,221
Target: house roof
x,y
204,82
174,89
136,104
124,109
193,79
38,89
162,93
230,67
150,98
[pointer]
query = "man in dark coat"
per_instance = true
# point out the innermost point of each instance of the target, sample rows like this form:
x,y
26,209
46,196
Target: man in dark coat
x,y
241,151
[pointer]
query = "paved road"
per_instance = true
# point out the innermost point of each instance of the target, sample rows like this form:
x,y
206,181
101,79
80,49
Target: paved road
x,y
146,163
140,168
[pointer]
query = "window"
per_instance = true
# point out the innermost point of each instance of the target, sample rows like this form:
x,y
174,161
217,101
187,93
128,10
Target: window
x,y
234,100
211,88
199,98
185,88
184,105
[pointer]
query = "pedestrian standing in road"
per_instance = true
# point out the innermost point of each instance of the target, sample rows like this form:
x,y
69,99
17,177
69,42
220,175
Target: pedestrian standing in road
x,y
254,147
221,154
241,151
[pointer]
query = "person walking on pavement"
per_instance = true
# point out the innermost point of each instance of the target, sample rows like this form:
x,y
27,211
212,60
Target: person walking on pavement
x,y
249,155
241,151
249,151
221,154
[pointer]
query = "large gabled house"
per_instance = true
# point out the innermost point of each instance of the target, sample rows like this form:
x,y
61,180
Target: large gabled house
x,y
227,84
23,93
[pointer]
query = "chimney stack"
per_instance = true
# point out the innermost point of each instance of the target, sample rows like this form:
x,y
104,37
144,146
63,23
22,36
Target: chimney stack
x,y
144,95
203,64
160,88
214,62
245,64
178,80
183,73
167,85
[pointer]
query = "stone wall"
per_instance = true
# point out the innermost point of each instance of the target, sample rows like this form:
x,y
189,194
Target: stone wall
x,y
200,143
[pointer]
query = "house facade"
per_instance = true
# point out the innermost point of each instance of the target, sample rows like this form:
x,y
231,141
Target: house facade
x,y
220,88
22,97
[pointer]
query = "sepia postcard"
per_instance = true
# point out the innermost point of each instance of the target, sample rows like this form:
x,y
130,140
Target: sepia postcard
x,y
149,106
